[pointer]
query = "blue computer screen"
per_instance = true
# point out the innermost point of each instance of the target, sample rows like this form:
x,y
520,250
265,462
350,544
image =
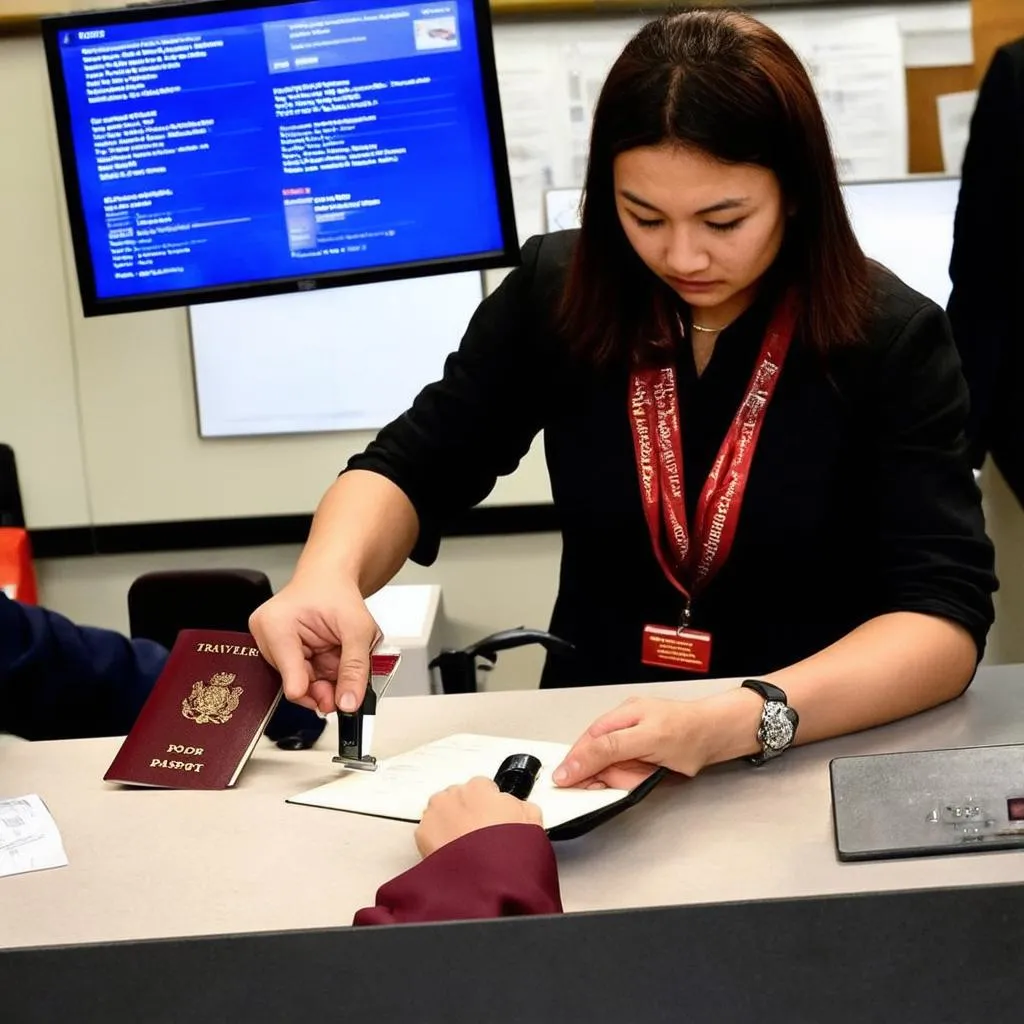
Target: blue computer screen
x,y
231,147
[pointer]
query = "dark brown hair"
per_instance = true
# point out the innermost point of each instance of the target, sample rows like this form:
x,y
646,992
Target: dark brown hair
x,y
728,85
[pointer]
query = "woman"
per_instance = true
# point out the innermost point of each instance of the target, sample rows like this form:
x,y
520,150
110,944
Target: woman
x,y
712,339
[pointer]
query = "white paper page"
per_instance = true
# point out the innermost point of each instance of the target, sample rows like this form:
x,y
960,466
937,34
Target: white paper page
x,y
402,785
936,35
524,84
955,111
562,208
856,65
29,838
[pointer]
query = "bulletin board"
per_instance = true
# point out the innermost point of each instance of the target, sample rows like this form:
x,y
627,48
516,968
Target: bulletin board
x,y
994,22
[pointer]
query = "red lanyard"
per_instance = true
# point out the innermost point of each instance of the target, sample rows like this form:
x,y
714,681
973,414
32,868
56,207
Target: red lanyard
x,y
657,439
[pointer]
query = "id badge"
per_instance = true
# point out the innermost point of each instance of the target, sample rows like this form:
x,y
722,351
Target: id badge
x,y
687,650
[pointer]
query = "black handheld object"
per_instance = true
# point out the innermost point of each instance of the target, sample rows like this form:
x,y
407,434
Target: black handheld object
x,y
517,775
355,734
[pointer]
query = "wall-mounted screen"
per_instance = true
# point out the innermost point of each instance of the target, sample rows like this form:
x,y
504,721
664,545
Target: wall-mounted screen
x,y
228,148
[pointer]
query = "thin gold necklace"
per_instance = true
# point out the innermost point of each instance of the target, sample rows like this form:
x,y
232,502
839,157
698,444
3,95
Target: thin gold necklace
x,y
710,330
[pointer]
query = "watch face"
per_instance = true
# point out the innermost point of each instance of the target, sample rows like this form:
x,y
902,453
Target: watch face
x,y
776,727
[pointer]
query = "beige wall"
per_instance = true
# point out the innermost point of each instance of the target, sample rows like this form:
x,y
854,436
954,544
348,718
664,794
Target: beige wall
x,y
488,583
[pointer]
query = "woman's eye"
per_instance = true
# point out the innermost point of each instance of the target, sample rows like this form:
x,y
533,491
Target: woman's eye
x,y
730,225
643,222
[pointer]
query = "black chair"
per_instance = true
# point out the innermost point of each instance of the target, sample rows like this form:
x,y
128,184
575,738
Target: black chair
x,y
160,604
458,668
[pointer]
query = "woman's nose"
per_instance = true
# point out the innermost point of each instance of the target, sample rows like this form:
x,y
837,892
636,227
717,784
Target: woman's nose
x,y
686,257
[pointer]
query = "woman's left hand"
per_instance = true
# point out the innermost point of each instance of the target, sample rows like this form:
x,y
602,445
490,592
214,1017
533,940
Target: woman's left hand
x,y
626,745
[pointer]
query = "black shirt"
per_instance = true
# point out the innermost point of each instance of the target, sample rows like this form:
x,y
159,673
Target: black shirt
x,y
860,499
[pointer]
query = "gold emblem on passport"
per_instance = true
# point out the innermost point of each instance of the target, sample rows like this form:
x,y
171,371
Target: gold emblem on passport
x,y
214,702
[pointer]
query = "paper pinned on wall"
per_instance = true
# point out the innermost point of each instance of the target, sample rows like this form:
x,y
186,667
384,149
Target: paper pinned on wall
x,y
856,65
936,35
549,87
955,111
586,66
531,139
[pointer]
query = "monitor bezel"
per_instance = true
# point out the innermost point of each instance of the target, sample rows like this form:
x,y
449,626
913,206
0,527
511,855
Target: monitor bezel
x,y
95,305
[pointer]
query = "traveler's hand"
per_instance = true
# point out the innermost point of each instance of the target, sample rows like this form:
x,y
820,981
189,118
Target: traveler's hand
x,y
318,635
458,810
626,745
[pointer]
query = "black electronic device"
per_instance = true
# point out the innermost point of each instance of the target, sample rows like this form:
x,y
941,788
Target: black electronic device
x,y
919,803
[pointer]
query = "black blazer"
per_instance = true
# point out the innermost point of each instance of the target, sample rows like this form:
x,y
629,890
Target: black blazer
x,y
860,499
987,268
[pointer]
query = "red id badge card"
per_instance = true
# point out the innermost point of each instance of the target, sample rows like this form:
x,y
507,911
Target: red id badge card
x,y
687,650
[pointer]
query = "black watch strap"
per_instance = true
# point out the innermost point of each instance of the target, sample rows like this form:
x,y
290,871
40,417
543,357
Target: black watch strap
x,y
778,721
767,690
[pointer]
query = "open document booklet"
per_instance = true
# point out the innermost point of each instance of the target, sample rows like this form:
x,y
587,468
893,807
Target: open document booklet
x,y
402,785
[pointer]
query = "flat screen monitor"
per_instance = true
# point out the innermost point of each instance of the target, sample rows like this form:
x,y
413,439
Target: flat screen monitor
x,y
339,359
219,149
907,225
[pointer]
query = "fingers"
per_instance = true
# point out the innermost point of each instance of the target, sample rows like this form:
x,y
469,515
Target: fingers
x,y
613,737
533,814
321,693
282,647
464,808
623,717
354,666
423,838
624,776
591,755
478,785
481,797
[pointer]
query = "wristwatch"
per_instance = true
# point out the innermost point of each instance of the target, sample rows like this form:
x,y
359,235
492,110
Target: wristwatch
x,y
778,721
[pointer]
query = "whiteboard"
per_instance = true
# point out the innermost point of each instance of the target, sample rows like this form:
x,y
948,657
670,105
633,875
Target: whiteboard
x,y
348,358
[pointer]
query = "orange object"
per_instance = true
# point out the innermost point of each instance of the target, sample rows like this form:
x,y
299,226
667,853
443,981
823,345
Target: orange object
x,y
17,573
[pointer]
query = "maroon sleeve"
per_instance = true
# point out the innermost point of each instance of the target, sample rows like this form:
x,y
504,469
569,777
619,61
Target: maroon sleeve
x,y
498,871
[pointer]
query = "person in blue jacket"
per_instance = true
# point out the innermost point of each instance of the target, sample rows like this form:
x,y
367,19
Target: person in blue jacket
x,y
59,680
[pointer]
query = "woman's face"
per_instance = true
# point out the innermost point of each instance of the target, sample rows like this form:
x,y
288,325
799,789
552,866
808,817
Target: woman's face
x,y
708,229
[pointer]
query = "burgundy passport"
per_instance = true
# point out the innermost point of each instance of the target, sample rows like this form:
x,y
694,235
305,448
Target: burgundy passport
x,y
204,717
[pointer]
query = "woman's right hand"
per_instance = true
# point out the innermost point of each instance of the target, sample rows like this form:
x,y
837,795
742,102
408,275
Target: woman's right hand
x,y
318,633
